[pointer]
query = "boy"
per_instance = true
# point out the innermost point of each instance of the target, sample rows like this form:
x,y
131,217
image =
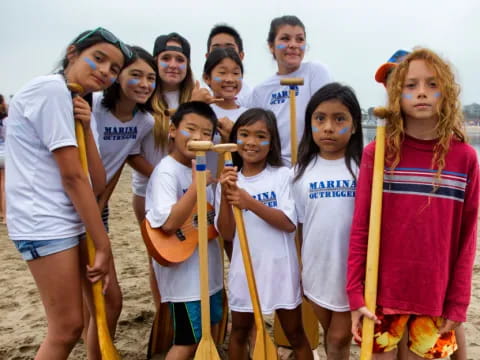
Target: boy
x,y
171,194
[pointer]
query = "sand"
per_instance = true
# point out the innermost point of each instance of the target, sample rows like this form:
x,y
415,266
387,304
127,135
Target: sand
x,y
22,321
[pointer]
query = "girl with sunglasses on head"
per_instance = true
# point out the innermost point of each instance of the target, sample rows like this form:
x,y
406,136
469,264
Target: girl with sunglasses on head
x,y
49,198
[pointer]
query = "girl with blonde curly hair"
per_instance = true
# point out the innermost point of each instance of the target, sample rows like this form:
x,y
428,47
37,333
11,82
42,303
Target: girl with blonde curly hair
x,y
429,215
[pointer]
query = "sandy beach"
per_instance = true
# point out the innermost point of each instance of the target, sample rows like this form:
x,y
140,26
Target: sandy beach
x,y
22,324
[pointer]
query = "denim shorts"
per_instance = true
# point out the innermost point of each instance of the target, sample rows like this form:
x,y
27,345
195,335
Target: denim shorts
x,y
32,250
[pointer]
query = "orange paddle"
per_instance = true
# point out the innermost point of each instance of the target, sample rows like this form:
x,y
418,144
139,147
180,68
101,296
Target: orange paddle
x,y
371,275
206,348
107,349
264,349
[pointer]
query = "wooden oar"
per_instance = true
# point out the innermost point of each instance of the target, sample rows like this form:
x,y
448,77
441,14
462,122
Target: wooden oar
x,y
371,274
310,322
206,348
264,349
107,349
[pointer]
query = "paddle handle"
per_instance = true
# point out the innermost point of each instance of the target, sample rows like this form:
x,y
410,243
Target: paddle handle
x,y
247,261
293,125
201,179
371,274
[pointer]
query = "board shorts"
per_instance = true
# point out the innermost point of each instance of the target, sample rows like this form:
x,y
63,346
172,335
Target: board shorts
x,y
186,316
423,337
33,249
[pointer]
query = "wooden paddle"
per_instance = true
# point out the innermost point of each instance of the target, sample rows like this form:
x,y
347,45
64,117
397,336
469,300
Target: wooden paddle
x,y
107,349
264,347
310,322
293,83
206,348
371,274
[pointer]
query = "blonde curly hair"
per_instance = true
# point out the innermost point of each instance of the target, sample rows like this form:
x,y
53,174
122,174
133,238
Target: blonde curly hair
x,y
450,117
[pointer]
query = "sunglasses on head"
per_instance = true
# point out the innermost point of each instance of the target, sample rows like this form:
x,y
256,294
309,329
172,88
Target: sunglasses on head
x,y
109,37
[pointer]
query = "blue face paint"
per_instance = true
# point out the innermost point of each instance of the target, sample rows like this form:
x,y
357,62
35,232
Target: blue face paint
x,y
217,79
163,64
182,66
185,133
90,62
315,129
112,79
281,46
240,142
407,96
344,130
133,81
303,47
265,143
437,95
153,85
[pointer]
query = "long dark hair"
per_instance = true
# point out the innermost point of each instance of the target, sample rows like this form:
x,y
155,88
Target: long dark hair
x,y
111,95
249,117
308,150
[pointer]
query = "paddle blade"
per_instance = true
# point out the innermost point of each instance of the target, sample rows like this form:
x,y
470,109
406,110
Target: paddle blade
x,y
264,348
206,349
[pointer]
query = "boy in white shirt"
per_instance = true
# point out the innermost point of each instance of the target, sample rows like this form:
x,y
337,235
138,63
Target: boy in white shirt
x,y
171,195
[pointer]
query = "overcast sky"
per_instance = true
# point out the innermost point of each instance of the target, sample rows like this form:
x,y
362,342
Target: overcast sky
x,y
352,37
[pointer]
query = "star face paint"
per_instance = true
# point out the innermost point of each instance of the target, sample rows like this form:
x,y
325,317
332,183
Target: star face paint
x,y
343,131
133,81
90,63
185,133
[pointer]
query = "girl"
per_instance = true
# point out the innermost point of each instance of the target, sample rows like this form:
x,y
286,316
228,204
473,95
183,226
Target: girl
x,y
263,192
48,194
223,72
324,191
431,184
122,120
287,43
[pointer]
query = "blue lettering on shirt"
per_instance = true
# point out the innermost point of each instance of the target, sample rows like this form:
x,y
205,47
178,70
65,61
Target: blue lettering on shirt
x,y
120,132
268,198
279,97
332,188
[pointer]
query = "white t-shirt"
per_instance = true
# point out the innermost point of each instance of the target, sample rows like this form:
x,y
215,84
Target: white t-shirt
x,y
324,199
40,120
275,97
149,151
232,114
118,139
179,282
272,251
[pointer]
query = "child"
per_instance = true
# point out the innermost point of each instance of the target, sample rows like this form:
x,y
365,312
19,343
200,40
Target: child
x,y
225,36
122,120
171,194
429,214
223,73
324,191
263,192
49,197
287,43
